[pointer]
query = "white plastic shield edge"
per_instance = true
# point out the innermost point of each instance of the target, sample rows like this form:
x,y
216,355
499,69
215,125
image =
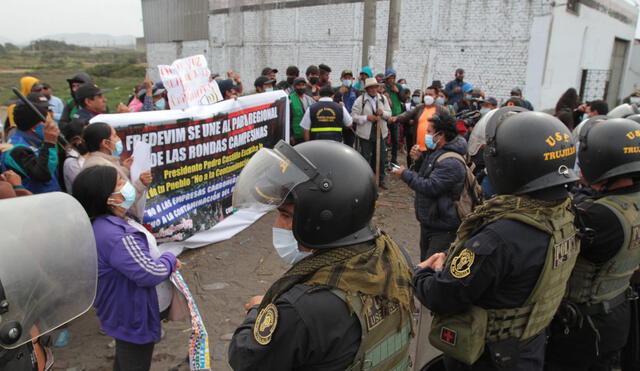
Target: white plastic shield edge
x,y
240,220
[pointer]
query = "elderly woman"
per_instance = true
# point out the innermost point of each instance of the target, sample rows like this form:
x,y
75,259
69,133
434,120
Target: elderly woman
x,y
126,303
105,148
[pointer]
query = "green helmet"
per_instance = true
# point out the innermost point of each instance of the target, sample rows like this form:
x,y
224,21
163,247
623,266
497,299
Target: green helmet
x,y
609,148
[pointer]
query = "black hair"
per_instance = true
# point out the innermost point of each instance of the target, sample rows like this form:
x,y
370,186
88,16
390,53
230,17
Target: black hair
x,y
46,86
312,70
599,105
25,118
324,67
94,134
73,134
293,71
445,124
569,99
566,116
326,91
92,188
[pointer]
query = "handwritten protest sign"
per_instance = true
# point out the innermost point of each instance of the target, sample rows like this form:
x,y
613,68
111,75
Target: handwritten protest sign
x,y
197,155
187,83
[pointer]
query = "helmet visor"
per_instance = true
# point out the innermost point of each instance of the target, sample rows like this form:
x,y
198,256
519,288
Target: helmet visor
x,y
268,178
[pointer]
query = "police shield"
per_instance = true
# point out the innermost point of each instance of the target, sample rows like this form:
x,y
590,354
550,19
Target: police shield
x,y
48,265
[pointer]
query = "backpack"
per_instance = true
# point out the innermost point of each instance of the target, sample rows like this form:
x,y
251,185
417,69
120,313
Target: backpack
x,y
471,195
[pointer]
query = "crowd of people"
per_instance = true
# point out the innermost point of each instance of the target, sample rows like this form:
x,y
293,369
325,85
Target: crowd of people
x,y
505,224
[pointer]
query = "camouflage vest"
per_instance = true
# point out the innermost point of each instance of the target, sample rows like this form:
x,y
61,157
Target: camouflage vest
x,y
386,333
593,283
464,336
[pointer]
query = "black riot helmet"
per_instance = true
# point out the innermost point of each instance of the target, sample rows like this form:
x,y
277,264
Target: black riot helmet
x,y
528,151
331,185
635,118
609,148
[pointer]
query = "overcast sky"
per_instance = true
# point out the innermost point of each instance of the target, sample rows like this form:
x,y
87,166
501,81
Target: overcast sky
x,y
25,20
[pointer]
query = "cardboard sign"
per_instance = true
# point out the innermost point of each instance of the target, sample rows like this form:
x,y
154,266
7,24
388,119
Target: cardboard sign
x,y
187,83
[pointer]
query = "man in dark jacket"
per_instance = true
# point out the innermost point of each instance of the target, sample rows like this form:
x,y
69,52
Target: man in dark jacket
x,y
72,106
456,88
438,184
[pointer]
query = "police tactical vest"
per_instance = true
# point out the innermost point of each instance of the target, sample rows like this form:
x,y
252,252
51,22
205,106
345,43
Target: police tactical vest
x,y
464,336
386,333
593,283
326,121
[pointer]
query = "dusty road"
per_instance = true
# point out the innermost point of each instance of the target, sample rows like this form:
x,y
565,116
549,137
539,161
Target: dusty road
x,y
223,276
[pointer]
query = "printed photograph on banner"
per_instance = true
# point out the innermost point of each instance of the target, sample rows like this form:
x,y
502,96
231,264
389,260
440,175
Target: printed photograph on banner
x,y
196,159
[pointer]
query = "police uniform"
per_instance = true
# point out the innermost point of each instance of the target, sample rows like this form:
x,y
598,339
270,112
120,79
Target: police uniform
x,y
505,274
593,323
306,337
326,119
346,306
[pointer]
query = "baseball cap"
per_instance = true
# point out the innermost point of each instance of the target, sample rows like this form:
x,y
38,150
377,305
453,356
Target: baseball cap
x,y
324,67
226,85
346,72
268,70
299,80
260,81
491,100
88,90
389,72
516,91
25,118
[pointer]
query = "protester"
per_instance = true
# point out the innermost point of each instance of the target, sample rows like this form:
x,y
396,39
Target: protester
x,y
370,112
455,89
299,102
324,75
34,155
488,104
77,151
237,81
55,104
105,149
92,102
11,186
395,92
313,78
228,89
365,73
152,96
264,84
438,184
347,94
269,73
418,117
325,119
292,73
72,105
517,92
466,103
126,300
592,109
26,84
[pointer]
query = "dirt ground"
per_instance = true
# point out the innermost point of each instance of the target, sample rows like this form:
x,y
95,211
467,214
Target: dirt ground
x,y
222,277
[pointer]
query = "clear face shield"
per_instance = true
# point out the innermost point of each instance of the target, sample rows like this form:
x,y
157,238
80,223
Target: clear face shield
x,y
48,265
268,178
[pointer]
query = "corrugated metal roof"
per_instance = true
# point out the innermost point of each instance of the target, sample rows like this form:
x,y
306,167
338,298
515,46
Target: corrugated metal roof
x,y
175,20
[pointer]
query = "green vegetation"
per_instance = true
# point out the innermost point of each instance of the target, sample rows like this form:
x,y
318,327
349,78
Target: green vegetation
x,y
53,62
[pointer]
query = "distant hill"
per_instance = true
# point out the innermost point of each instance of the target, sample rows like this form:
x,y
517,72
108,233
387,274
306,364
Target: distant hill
x,y
93,40
4,40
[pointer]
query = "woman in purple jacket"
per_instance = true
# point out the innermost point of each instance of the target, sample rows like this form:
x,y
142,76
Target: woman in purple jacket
x,y
126,300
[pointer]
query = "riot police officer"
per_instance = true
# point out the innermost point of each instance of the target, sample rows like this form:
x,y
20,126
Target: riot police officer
x,y
592,324
43,283
498,288
347,301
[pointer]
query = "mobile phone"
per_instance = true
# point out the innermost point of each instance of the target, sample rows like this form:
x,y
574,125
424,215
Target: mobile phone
x,y
395,166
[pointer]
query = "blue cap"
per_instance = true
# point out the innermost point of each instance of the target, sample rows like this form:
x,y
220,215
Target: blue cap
x,y
389,72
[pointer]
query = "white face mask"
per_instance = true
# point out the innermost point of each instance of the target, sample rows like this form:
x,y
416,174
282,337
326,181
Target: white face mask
x,y
428,100
286,246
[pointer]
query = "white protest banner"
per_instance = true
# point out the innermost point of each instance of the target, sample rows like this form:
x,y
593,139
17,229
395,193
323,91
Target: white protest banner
x,y
196,156
187,83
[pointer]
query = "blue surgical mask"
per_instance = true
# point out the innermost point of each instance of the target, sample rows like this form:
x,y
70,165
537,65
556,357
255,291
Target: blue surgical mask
x,y
440,100
129,194
118,150
268,89
286,246
585,116
404,86
40,131
484,111
415,100
160,104
468,96
428,141
347,83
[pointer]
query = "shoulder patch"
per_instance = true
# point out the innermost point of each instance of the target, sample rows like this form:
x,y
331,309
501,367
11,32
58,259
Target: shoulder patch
x,y
461,264
265,325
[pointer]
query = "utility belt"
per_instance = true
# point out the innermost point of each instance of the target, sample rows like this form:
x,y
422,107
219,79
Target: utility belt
x,y
607,306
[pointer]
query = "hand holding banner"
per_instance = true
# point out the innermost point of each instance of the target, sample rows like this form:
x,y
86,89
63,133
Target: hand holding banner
x,y
187,83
